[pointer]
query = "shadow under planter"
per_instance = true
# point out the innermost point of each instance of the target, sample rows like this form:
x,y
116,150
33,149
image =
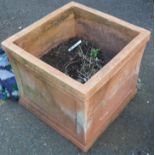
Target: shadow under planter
x,y
80,112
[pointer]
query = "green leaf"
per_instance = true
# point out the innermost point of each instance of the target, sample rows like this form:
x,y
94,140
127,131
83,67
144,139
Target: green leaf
x,y
94,52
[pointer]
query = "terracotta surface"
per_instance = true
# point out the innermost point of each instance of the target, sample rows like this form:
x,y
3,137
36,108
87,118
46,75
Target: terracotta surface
x,y
80,112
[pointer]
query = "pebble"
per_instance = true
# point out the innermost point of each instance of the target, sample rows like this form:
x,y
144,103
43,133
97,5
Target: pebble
x,y
12,18
6,118
139,80
20,27
45,144
148,102
123,138
2,133
139,84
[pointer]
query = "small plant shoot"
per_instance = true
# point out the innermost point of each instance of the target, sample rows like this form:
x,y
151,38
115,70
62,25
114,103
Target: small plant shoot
x,y
94,52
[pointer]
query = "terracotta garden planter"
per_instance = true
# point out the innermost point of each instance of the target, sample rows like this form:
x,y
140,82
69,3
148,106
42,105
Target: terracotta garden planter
x,y
80,112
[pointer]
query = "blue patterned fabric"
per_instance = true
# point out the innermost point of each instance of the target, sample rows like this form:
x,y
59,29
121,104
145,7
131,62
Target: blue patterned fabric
x,y
8,85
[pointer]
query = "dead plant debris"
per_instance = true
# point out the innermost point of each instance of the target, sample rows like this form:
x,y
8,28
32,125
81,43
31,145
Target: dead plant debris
x,y
82,62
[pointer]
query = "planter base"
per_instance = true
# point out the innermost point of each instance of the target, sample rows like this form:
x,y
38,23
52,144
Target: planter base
x,y
52,123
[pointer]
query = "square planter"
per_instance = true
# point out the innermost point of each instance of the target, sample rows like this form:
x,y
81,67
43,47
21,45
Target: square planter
x,y
80,112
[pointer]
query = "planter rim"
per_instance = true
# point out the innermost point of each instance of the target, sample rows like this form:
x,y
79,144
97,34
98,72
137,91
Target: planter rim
x,y
98,79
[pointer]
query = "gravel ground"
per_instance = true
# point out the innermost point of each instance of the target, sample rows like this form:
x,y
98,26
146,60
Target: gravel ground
x,y
130,134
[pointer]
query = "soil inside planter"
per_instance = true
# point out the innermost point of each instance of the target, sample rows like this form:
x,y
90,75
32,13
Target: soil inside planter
x,y
82,62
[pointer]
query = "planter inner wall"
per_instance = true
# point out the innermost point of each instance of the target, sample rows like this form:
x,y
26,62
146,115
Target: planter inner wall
x,y
74,22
